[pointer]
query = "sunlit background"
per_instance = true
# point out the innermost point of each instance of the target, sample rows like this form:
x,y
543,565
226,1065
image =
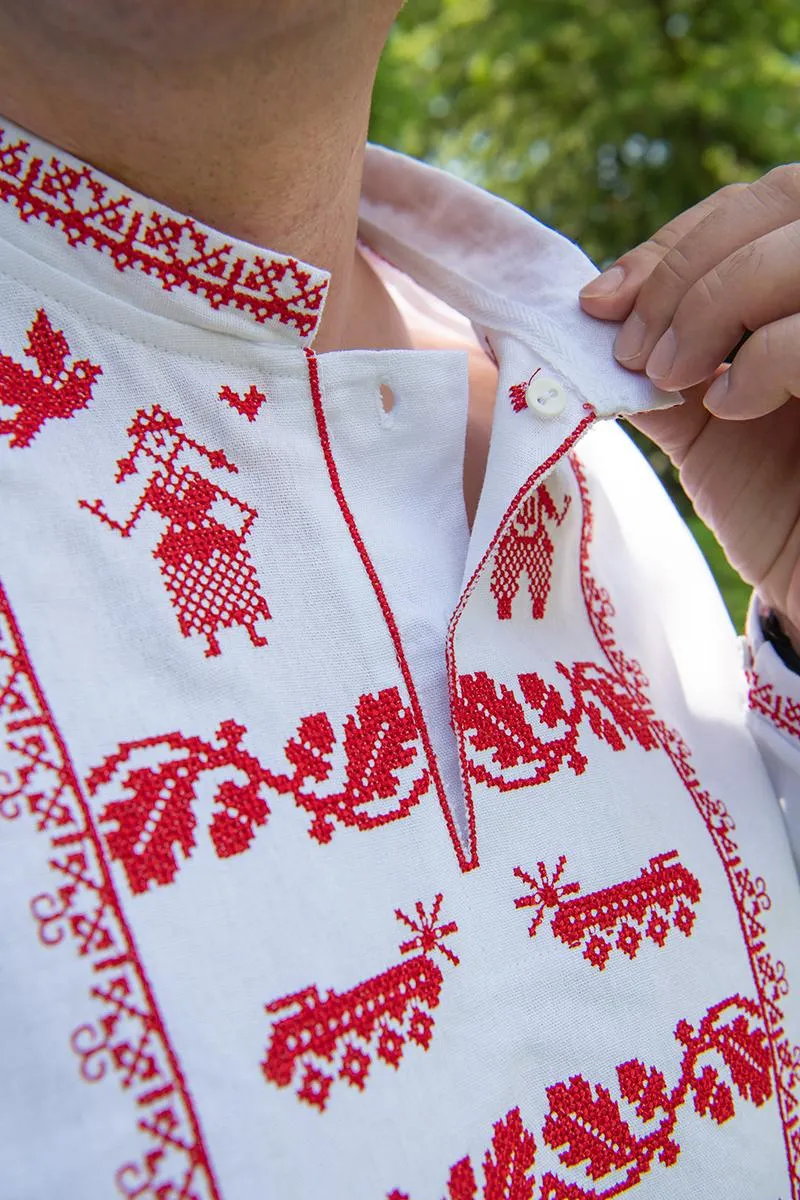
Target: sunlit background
x,y
603,118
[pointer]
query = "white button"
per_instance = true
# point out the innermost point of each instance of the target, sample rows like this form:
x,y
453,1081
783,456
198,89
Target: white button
x,y
545,396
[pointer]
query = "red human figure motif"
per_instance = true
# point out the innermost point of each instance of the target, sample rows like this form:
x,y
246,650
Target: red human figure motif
x,y
662,897
526,548
509,734
593,1131
157,817
54,392
322,1039
728,1053
206,569
380,741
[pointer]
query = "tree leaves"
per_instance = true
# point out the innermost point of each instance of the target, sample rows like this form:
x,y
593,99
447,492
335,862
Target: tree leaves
x,y
605,122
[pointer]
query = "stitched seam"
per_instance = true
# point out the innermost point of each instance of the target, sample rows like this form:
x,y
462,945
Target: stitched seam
x,y
380,596
452,676
96,323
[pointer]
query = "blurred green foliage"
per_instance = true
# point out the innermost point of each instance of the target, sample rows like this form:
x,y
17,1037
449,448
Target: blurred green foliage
x,y
603,119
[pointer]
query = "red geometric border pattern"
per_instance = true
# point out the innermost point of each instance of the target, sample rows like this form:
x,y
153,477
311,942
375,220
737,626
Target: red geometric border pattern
x,y
780,710
124,1034
89,210
749,895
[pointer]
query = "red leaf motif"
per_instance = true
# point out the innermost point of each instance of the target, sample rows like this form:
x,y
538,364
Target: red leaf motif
x,y
155,817
588,1127
627,716
462,1184
145,838
57,392
747,1057
546,699
645,1089
508,1164
380,739
47,347
376,741
496,720
309,750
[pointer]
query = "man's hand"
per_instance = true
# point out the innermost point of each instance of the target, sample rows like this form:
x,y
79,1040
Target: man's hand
x,y
727,267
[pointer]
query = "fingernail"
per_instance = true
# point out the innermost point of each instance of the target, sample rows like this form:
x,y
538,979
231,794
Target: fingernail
x,y
665,351
630,338
714,399
606,284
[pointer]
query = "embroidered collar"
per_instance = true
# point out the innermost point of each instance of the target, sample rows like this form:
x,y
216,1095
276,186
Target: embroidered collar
x,y
108,229
501,268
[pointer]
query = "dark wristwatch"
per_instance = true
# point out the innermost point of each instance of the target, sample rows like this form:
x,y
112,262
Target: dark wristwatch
x,y
780,642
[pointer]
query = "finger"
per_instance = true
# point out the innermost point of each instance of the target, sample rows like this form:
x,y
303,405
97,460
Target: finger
x,y
754,286
742,214
763,376
611,295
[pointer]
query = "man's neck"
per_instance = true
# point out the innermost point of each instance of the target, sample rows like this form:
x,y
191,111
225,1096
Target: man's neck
x,y
266,144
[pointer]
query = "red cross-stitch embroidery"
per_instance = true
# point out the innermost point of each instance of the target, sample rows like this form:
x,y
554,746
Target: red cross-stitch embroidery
x,y
507,1166
247,404
53,392
519,742
336,1036
207,571
518,392
155,819
122,1036
92,211
380,743
781,710
727,1053
617,1142
526,548
662,897
749,893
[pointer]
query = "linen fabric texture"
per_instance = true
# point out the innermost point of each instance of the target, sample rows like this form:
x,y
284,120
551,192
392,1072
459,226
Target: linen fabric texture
x,y
345,851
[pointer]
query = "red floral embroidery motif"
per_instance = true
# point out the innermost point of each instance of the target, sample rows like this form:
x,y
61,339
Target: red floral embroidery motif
x,y
160,776
90,210
123,1037
591,1129
380,741
662,897
206,569
158,817
727,1052
507,1165
53,392
336,1036
749,894
526,548
516,751
248,404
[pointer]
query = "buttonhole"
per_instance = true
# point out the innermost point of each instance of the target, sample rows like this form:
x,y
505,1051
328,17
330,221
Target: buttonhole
x,y
388,400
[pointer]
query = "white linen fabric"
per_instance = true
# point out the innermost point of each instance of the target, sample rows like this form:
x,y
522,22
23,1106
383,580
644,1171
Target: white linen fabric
x,y
345,851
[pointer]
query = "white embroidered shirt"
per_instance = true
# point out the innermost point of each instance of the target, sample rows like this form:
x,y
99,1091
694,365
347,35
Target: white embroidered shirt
x,y
345,851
